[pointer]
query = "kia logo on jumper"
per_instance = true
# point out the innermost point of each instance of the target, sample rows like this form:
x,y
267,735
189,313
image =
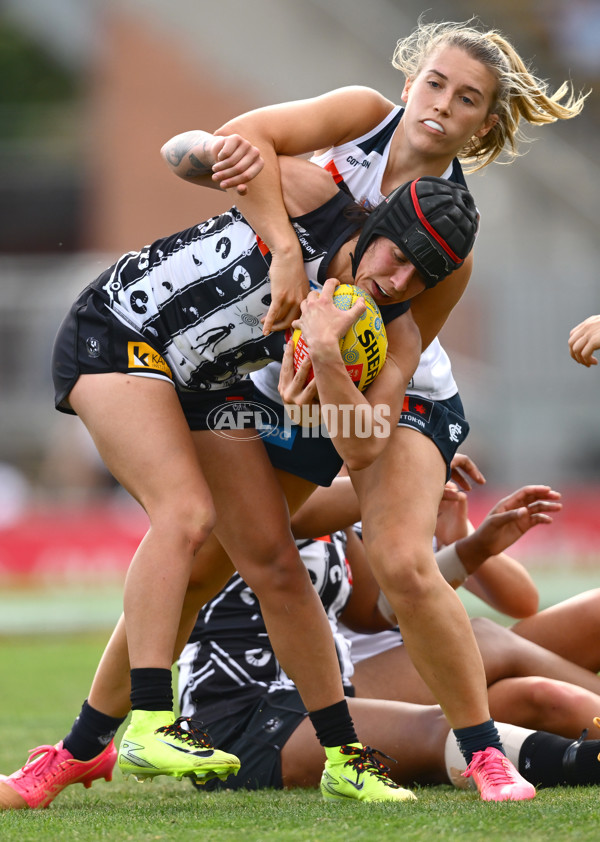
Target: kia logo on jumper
x,y
227,418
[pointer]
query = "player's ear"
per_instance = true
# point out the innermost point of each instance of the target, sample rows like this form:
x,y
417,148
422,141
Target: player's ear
x,y
405,90
488,125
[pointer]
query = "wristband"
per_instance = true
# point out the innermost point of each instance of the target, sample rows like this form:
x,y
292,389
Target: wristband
x,y
451,567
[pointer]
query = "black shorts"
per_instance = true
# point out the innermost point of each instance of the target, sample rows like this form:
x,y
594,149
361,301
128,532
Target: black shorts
x,y
300,451
258,741
92,341
222,410
304,453
442,421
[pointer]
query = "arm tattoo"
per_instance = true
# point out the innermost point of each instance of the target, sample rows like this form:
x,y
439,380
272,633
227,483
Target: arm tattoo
x,y
197,167
178,151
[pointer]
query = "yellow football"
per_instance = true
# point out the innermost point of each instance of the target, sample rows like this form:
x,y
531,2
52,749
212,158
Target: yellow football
x,y
364,346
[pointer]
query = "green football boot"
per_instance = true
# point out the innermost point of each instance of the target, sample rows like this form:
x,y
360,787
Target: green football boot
x,y
352,771
155,743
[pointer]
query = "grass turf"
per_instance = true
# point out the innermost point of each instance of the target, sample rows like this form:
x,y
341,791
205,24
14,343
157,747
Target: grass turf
x,y
45,679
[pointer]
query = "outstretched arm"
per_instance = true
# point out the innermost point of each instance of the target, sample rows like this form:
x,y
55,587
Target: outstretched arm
x,y
494,576
293,128
307,125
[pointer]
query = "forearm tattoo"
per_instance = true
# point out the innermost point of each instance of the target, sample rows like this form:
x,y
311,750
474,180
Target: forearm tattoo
x,y
197,167
180,149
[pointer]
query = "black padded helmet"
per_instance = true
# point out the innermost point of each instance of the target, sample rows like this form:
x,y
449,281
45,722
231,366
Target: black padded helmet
x,y
432,220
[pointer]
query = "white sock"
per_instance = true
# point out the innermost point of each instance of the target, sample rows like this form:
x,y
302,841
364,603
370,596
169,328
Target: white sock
x,y
512,736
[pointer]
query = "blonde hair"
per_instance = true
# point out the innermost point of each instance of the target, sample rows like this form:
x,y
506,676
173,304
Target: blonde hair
x,y
519,96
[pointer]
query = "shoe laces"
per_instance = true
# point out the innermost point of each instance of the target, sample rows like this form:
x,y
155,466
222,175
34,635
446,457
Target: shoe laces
x,y
364,760
40,761
184,729
494,765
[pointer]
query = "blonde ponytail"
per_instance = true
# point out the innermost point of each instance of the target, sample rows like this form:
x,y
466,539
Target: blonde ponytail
x,y
520,95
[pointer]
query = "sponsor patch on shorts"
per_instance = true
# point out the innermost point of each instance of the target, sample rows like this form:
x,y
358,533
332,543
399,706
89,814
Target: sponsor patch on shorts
x,y
417,406
279,434
142,355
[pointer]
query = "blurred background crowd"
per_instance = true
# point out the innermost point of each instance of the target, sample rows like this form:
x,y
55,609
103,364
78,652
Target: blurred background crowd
x,y
90,91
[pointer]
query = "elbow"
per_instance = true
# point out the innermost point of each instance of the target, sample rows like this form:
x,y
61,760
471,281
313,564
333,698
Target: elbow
x,y
226,129
170,157
519,608
247,128
526,607
164,152
528,602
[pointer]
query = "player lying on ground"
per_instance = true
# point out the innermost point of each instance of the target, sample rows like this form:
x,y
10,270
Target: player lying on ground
x,y
547,645
570,629
230,666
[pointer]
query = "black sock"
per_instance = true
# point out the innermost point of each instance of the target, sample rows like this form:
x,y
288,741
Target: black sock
x,y
549,760
91,732
478,738
151,689
333,725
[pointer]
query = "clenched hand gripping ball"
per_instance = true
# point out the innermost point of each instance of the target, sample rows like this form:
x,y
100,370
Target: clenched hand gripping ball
x,y
364,346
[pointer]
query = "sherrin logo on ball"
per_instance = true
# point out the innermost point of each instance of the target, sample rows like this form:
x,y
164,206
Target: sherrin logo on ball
x,y
364,346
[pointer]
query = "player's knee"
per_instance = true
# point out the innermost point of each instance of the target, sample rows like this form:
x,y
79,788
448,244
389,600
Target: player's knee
x,y
277,570
190,521
408,578
588,609
548,695
199,527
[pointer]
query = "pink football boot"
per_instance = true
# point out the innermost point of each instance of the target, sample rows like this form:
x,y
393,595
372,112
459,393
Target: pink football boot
x,y
496,777
49,769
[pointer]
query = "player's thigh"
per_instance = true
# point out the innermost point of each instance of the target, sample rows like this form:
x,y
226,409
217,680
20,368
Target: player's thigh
x,y
295,489
391,675
399,496
413,736
251,508
570,629
212,565
142,436
302,757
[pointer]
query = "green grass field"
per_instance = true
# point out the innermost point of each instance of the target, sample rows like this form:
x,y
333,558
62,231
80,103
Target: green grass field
x,y
45,679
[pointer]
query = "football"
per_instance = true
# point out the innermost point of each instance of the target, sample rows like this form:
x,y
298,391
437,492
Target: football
x,y
364,346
